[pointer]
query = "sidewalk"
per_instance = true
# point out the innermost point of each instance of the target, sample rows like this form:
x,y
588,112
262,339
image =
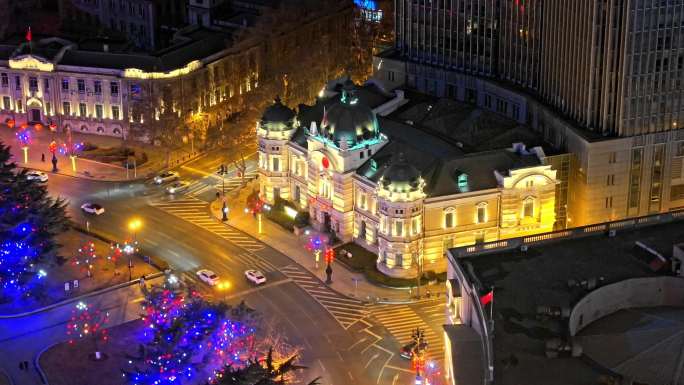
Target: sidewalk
x,y
86,168
344,281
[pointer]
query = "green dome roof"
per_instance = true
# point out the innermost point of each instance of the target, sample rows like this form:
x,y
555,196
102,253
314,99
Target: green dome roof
x,y
401,175
349,120
278,117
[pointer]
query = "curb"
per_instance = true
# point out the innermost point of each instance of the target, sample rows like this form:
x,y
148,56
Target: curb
x,y
7,377
36,363
80,297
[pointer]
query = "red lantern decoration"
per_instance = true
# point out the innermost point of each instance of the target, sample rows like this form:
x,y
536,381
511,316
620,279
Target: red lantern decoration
x,y
38,126
329,256
52,147
53,127
24,126
10,123
325,162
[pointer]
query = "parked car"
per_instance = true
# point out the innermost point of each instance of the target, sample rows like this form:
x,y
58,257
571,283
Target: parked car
x,y
92,208
208,277
408,349
255,276
166,176
37,175
177,187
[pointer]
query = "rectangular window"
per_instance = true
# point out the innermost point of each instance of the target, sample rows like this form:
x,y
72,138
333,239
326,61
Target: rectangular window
x,y
46,84
6,103
447,243
114,88
97,87
82,110
481,214
612,157
66,108
98,111
657,178
81,86
17,82
610,180
115,112
635,178
33,83
48,108
399,228
488,101
4,80
528,208
415,226
276,164
20,106
680,148
65,84
609,202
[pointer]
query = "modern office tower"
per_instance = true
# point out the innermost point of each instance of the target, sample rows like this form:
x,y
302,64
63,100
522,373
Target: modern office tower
x,y
601,79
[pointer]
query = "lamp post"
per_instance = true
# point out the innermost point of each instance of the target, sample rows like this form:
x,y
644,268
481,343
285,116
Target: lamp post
x,y
224,211
134,225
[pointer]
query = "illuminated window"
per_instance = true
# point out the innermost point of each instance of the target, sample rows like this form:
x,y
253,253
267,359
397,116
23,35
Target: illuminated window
x,y
449,217
81,86
97,87
6,105
363,201
98,111
276,164
415,226
481,213
65,84
398,228
66,108
528,207
115,112
82,110
463,182
325,188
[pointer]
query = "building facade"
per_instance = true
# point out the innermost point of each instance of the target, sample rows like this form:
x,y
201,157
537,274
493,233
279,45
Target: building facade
x,y
599,80
148,24
400,192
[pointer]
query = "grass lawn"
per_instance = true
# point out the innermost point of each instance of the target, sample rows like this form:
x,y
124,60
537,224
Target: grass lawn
x,y
115,155
66,364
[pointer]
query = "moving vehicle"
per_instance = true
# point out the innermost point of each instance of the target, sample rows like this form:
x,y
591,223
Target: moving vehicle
x,y
208,277
255,276
37,175
177,187
92,208
166,176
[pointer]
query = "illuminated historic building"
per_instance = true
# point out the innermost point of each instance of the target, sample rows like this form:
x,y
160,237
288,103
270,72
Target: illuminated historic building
x,y
602,81
400,191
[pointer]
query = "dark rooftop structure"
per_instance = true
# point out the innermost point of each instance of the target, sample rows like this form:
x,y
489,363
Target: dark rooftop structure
x,y
541,276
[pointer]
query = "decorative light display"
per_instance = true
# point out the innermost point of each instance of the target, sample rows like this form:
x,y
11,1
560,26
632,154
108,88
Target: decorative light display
x,y
16,260
85,257
181,330
86,322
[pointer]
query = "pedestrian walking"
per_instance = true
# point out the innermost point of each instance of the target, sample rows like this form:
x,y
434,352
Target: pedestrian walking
x,y
42,157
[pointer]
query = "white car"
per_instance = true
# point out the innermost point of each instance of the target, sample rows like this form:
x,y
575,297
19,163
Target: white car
x,y
166,176
92,208
255,276
177,187
37,175
208,277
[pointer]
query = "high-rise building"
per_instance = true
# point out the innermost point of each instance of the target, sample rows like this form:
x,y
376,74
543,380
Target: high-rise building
x,y
614,67
600,79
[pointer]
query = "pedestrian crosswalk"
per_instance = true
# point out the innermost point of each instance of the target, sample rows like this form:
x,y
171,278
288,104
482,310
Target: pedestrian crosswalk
x,y
195,211
346,311
402,320
215,184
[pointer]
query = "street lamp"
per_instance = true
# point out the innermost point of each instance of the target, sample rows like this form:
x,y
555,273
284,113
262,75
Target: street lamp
x,y
134,225
224,211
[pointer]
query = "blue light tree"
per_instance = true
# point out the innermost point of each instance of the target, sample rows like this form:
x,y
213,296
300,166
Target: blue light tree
x,y
186,338
29,222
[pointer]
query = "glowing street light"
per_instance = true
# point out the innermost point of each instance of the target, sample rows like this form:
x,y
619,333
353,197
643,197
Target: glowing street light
x,y
134,225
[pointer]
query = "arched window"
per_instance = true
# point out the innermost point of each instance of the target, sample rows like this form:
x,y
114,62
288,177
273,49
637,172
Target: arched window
x,y
325,187
528,207
84,128
481,216
100,129
116,130
449,217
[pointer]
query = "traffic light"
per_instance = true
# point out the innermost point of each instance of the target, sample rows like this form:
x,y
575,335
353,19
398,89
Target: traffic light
x,y
329,256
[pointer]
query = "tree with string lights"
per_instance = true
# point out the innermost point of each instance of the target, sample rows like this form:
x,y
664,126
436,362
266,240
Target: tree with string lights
x,y
85,257
86,322
29,222
186,337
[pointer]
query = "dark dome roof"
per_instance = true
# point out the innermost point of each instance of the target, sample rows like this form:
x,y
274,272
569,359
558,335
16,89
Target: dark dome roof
x,y
278,113
348,120
401,175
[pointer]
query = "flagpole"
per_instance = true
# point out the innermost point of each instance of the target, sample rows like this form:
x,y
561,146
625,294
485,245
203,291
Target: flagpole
x,y
491,309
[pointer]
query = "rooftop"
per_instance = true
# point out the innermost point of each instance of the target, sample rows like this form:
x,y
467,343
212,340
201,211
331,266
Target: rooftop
x,y
523,281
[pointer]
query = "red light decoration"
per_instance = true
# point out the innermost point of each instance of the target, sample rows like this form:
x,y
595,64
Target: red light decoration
x,y
52,147
53,127
38,126
10,123
325,162
329,256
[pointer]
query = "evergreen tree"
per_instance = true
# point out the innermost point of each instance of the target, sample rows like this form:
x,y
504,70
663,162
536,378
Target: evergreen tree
x,y
259,373
29,222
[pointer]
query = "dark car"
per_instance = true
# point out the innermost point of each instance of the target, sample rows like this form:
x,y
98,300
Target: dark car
x,y
408,349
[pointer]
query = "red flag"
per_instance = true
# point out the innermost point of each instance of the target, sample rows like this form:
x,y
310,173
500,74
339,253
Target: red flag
x,y
29,35
487,298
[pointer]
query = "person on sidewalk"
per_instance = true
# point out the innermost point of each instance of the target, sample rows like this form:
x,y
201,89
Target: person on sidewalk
x,y
42,157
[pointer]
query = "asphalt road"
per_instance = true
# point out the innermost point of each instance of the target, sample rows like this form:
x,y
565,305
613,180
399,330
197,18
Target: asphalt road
x,y
181,231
